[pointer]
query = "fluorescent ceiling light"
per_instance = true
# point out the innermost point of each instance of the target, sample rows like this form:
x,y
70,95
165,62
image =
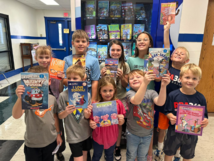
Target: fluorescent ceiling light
x,y
49,2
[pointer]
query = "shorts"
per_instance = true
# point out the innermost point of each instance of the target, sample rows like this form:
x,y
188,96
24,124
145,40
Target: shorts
x,y
163,121
77,148
173,141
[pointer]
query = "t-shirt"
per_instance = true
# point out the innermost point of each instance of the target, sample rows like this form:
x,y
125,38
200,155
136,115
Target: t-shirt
x,y
92,68
107,136
121,91
138,63
77,130
140,117
40,125
177,97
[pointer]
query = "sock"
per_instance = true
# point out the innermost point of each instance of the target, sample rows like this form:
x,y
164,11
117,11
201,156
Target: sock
x,y
160,146
178,154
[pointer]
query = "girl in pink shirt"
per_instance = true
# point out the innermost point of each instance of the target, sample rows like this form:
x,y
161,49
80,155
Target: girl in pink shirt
x,y
105,137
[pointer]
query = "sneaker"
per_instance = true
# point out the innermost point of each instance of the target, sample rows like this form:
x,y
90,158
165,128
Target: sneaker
x,y
117,155
60,157
158,155
177,158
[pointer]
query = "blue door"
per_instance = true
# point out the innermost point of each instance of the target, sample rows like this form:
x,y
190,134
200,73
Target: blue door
x,y
70,37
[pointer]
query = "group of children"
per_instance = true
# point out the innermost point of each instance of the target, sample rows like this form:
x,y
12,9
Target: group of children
x,y
44,129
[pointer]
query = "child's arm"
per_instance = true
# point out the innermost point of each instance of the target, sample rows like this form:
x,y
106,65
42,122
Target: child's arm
x,y
92,124
166,35
121,119
172,118
61,75
87,111
58,139
94,90
17,111
68,110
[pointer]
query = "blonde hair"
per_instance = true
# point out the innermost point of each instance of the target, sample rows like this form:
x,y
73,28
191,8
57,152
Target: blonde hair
x,y
38,69
187,52
104,81
133,72
44,50
80,34
76,69
196,70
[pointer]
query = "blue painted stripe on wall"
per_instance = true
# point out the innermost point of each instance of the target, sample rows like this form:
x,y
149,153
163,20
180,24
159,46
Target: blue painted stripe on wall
x,y
190,37
26,37
78,23
77,12
15,72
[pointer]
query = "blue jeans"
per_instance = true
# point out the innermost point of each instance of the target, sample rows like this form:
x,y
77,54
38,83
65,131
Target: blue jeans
x,y
98,151
137,147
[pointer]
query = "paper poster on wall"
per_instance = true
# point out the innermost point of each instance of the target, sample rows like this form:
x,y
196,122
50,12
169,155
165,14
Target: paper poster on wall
x,y
66,31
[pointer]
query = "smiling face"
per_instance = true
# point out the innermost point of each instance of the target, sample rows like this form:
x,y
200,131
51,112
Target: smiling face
x,y
135,81
43,60
80,45
179,56
115,51
143,42
189,80
107,92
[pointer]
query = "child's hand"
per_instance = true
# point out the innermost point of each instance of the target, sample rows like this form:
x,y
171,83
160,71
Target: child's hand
x,y
204,123
148,77
173,119
120,119
19,91
165,80
61,74
119,73
59,140
93,124
70,109
88,110
103,71
167,26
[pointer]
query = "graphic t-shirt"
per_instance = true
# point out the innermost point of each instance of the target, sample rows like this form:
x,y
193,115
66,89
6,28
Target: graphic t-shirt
x,y
40,125
140,117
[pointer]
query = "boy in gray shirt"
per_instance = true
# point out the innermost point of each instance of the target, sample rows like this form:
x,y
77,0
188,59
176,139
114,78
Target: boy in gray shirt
x,y
141,113
42,127
76,126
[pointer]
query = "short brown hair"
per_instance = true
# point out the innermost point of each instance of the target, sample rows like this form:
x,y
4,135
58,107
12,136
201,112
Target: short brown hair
x,y
38,69
80,34
138,71
196,70
104,81
44,50
76,69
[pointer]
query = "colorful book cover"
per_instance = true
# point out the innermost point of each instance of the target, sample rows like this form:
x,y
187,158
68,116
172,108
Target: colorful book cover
x,y
126,31
92,49
90,30
158,61
102,52
140,13
167,13
127,10
79,59
189,119
138,28
105,113
55,67
127,50
111,67
114,31
103,8
133,49
36,90
115,9
90,9
78,94
102,31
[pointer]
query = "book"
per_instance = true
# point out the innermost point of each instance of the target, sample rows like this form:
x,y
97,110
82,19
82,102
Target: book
x,y
102,52
133,49
55,67
90,9
127,10
140,13
36,90
138,28
78,59
90,30
189,119
126,31
158,61
127,50
115,9
111,67
102,31
92,49
105,113
78,94
114,31
103,8
167,13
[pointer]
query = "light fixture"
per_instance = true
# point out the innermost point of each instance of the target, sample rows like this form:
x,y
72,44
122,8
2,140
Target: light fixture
x,y
49,2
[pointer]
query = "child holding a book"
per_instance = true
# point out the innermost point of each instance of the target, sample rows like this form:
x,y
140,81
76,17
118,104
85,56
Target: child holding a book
x,y
78,131
141,112
190,76
105,137
116,51
42,128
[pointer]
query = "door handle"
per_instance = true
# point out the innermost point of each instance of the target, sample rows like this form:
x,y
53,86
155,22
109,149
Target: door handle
x,y
70,49
59,48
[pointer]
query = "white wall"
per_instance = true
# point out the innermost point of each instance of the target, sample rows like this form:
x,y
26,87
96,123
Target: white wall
x,y
193,22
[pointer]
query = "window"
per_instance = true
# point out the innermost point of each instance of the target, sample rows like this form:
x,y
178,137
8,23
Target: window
x,y
6,55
